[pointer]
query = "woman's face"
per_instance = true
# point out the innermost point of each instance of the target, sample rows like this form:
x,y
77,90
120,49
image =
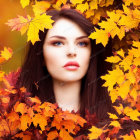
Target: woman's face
x,y
66,42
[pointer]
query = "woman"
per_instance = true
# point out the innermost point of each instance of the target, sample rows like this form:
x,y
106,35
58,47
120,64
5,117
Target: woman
x,y
45,75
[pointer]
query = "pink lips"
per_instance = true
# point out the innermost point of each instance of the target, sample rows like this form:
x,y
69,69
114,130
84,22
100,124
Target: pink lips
x,y
72,65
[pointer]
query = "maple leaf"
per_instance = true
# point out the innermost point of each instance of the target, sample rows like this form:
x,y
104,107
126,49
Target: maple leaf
x,y
127,137
101,36
89,13
127,62
113,59
41,7
124,88
95,133
33,25
20,107
65,135
6,53
35,100
24,3
25,122
133,114
20,24
82,7
114,95
76,1
4,128
52,135
59,3
121,53
12,77
2,75
40,22
133,93
112,116
131,77
137,134
93,4
115,124
69,125
135,2
113,77
24,135
41,120
109,2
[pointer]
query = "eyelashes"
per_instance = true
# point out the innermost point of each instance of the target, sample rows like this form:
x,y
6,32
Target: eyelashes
x,y
59,43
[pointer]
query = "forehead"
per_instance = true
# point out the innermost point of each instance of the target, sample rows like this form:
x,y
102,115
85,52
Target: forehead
x,y
65,27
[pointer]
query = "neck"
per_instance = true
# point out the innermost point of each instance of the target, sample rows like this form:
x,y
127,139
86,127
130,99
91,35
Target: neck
x,y
67,94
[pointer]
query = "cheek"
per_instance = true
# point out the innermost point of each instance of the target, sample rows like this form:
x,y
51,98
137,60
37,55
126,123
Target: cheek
x,y
52,59
85,60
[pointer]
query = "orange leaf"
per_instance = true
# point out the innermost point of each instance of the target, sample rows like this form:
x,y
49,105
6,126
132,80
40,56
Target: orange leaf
x,y
65,135
41,120
52,135
25,122
20,107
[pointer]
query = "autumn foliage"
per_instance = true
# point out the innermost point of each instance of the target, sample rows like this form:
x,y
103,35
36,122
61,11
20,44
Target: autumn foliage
x,y
26,117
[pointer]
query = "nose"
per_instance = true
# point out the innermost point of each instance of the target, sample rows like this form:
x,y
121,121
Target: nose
x,y
71,51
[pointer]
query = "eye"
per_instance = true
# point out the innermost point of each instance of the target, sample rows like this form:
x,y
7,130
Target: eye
x,y
56,43
84,43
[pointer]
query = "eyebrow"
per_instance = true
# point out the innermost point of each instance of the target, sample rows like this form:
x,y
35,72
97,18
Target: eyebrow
x,y
62,37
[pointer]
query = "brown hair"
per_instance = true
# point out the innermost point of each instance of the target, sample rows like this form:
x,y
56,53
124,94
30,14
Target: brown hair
x,y
35,77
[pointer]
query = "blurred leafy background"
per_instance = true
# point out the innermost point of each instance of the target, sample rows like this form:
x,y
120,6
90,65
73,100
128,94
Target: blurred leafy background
x,y
10,9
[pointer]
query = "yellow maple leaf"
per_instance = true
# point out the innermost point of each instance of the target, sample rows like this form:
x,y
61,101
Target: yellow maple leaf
x,y
100,12
41,7
115,124
109,2
111,25
76,1
6,53
101,36
95,133
127,137
135,2
24,3
2,75
113,59
137,134
133,93
128,22
38,23
89,13
133,114
82,7
131,76
121,53
113,77
119,109
124,88
112,116
127,62
136,61
114,95
93,4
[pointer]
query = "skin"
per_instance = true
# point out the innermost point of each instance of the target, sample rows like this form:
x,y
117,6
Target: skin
x,y
57,52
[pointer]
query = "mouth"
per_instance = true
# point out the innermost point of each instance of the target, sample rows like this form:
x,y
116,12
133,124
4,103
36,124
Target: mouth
x,y
72,65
